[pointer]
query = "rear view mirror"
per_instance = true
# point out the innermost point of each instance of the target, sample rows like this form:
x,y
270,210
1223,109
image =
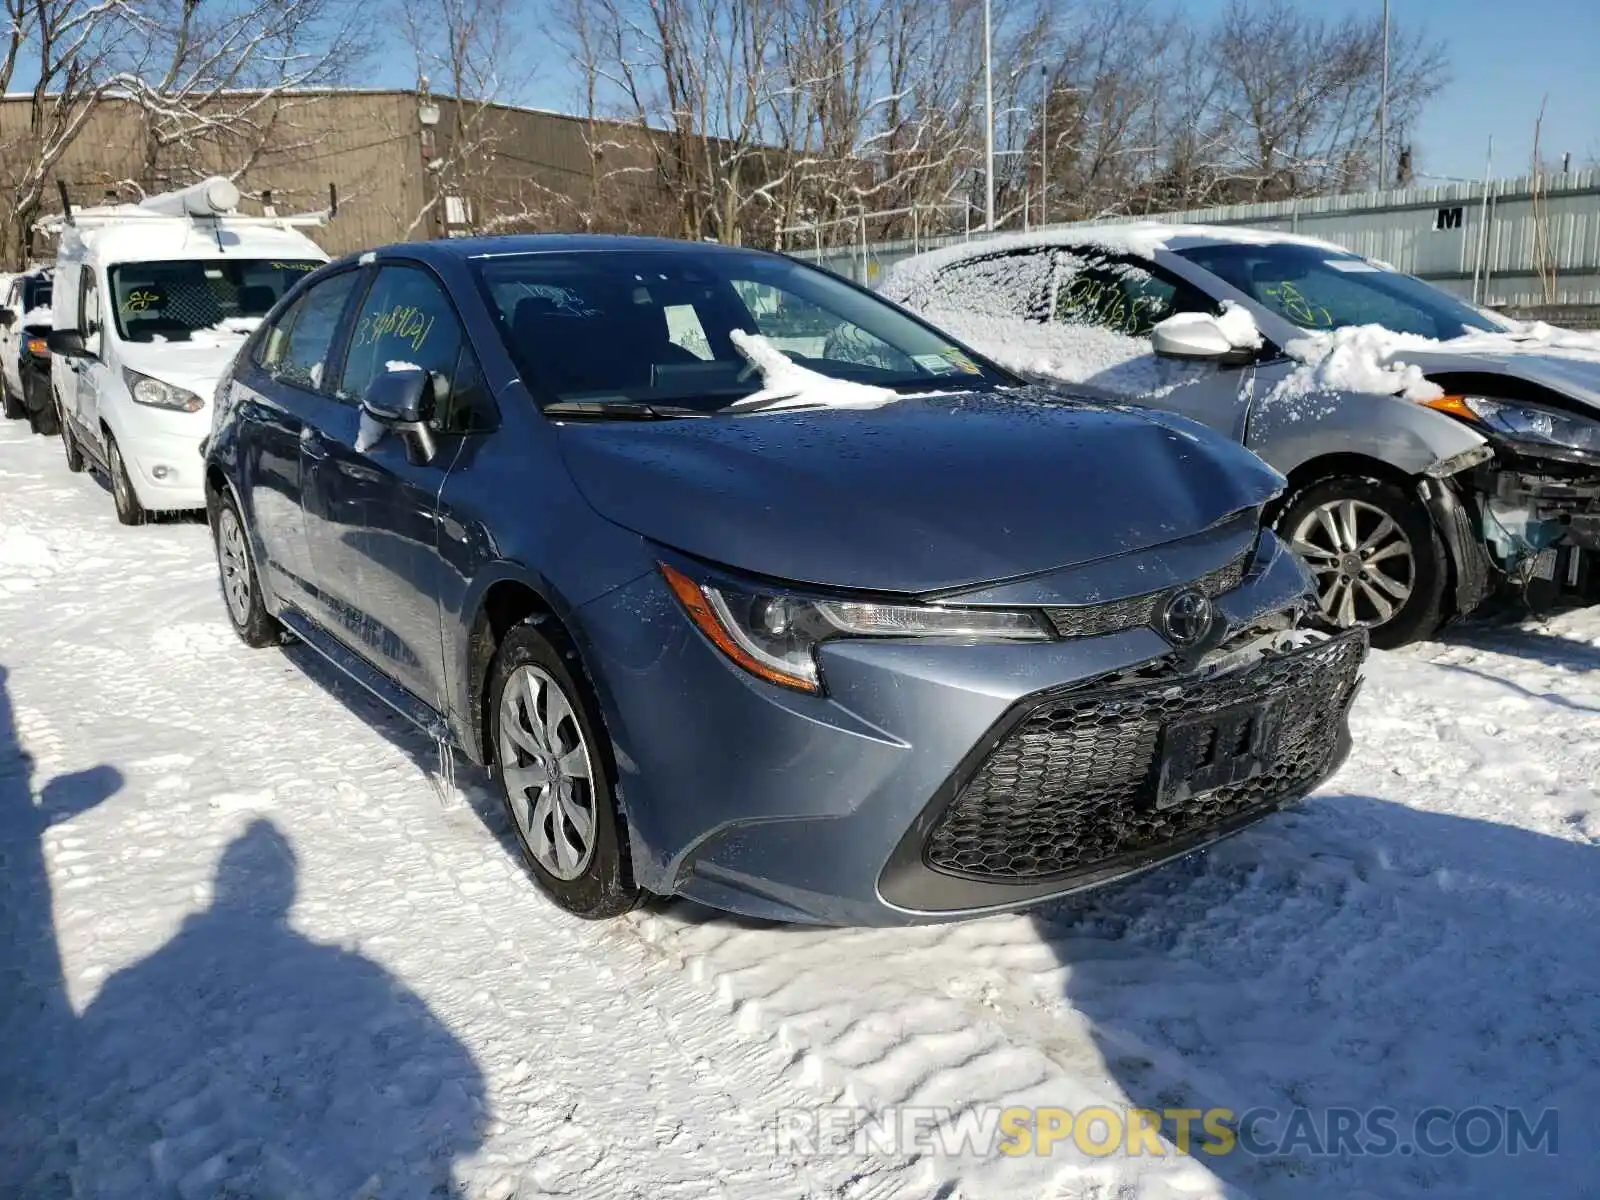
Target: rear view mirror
x,y
402,402
68,343
1197,337
8,318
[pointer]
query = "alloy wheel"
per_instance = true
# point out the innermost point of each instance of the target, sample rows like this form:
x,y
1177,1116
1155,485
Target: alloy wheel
x,y
548,772
1362,560
234,560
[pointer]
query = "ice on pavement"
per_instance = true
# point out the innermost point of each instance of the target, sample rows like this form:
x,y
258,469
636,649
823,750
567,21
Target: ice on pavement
x,y
247,952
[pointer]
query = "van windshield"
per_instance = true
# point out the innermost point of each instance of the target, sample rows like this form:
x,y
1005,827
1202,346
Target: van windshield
x,y
174,301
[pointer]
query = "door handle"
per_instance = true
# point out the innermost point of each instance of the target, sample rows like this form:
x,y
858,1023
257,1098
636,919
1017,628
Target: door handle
x,y
311,443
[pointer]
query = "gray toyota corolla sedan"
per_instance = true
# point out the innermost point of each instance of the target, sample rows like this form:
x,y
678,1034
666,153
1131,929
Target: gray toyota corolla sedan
x,y
732,619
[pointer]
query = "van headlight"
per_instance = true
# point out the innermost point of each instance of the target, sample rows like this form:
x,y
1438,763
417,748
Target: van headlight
x,y
774,635
157,394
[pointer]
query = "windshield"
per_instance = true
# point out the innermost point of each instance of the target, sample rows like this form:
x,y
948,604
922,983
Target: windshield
x,y
1317,288
654,326
172,301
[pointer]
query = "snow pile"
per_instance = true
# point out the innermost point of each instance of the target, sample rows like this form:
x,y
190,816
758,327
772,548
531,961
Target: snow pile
x,y
789,385
1535,337
1358,358
39,316
1239,327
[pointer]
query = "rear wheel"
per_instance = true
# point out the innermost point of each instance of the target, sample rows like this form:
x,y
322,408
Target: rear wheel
x,y
1377,558
129,510
43,419
553,763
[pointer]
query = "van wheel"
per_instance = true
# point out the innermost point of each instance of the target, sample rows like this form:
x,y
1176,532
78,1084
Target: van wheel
x,y
69,444
44,421
1377,558
241,586
129,510
13,404
552,760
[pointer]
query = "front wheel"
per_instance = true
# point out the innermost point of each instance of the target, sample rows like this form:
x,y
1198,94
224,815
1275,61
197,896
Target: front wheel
x,y
1377,558
553,763
69,443
241,585
129,510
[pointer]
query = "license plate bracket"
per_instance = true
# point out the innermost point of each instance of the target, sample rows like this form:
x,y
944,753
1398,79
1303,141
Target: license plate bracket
x,y
1219,749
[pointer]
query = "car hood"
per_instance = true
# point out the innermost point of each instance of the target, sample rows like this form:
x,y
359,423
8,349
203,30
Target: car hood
x,y
1574,375
193,365
925,494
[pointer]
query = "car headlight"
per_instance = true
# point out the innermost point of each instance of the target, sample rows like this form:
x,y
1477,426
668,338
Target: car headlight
x,y
774,635
160,395
1525,422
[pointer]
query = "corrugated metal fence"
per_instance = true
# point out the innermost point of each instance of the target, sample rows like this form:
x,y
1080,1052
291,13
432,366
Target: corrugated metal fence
x,y
1476,245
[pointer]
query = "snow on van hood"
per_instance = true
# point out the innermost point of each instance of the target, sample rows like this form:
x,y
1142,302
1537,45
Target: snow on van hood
x,y
195,364
1370,358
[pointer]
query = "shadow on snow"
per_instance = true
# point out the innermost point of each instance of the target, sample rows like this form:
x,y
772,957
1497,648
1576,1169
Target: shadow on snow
x,y
241,1058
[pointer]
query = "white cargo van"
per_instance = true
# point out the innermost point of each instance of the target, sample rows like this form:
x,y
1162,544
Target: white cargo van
x,y
152,301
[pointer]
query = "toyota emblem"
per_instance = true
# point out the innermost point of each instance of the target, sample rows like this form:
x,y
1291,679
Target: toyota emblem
x,y
1187,618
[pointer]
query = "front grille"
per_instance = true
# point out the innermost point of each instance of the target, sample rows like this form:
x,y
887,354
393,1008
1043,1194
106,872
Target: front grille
x,y
1092,620
1075,782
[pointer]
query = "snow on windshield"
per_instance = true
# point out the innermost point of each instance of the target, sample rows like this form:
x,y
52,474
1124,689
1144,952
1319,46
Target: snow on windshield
x,y
786,384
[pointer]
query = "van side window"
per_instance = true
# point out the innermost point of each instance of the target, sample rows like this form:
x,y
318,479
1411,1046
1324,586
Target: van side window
x,y
295,348
408,320
89,309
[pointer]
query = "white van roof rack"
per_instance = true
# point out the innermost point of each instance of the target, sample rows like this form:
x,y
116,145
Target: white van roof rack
x,y
215,199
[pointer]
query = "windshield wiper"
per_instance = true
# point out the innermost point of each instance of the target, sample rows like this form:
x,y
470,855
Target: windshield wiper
x,y
618,410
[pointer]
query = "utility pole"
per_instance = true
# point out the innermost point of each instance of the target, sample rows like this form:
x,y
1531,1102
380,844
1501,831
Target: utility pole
x,y
1044,152
1383,108
988,115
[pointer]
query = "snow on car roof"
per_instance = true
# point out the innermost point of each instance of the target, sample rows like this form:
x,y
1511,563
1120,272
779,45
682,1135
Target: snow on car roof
x,y
1143,239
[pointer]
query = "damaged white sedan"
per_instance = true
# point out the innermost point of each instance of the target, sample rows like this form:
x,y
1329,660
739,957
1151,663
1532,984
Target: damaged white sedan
x,y
1437,455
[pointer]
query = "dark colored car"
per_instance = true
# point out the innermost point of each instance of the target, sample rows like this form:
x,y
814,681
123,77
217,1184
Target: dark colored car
x,y
804,638
25,321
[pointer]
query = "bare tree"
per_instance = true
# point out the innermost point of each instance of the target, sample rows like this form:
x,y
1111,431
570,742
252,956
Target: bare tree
x,y
68,43
219,84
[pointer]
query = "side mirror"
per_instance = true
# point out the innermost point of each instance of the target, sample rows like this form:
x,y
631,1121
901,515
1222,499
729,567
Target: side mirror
x,y
8,318
68,343
401,402
1199,337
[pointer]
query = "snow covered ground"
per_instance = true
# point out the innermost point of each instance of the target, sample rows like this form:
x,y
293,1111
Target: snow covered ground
x,y
252,947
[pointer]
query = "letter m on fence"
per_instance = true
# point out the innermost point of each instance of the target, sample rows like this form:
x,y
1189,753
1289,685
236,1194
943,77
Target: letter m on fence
x,y
1447,218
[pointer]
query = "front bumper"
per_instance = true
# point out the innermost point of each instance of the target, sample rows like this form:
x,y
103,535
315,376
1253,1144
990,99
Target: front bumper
x,y
167,471
793,807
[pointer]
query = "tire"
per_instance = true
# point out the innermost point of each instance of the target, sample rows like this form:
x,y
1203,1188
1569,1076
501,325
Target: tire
x,y
129,510
44,420
69,443
15,410
238,578
1365,575
529,679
